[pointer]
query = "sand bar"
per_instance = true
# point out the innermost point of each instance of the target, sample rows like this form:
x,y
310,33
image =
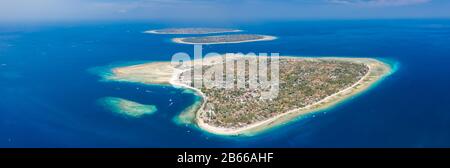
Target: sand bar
x,y
164,73
224,39
127,108
192,31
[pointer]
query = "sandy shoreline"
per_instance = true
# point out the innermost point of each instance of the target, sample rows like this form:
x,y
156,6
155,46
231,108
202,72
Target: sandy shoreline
x,y
364,83
212,32
161,73
265,38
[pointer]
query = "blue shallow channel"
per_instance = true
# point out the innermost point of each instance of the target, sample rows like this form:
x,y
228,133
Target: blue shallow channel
x,y
48,95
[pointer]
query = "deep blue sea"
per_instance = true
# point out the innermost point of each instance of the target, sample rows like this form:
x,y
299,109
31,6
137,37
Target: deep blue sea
x,y
48,95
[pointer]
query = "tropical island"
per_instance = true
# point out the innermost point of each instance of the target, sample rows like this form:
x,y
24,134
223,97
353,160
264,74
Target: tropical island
x,y
192,31
224,39
127,108
306,85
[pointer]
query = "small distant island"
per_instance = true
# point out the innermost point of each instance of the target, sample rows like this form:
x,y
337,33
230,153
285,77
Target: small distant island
x,y
127,108
306,85
224,39
192,31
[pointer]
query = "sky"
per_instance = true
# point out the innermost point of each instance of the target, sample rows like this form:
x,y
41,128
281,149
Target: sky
x,y
186,10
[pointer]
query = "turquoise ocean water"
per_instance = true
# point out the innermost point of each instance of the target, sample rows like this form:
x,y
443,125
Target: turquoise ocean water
x,y
48,93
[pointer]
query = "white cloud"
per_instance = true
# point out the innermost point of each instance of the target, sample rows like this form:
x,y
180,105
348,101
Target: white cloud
x,y
379,2
66,10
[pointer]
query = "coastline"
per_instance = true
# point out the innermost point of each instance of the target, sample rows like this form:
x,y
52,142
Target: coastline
x,y
213,32
377,71
265,38
362,85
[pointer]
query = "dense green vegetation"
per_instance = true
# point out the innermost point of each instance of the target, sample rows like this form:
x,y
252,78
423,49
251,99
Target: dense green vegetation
x,y
302,82
223,38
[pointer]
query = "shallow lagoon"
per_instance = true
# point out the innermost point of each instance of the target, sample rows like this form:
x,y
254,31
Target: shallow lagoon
x,y
49,96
